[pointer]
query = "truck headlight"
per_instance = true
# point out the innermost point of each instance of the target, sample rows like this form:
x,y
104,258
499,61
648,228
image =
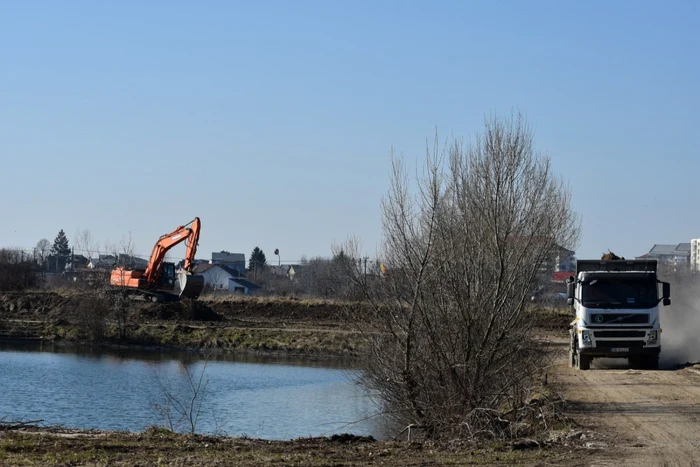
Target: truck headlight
x,y
586,337
653,336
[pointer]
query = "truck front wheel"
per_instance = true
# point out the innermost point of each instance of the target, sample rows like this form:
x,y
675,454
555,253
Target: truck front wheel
x,y
583,362
651,362
572,349
644,362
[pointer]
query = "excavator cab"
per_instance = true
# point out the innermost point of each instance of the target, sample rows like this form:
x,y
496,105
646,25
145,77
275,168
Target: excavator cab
x,y
167,277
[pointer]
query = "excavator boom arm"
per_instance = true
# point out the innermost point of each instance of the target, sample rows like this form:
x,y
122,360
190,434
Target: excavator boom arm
x,y
192,244
189,232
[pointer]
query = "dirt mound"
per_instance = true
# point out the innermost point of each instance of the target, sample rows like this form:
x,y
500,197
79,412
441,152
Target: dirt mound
x,y
611,256
52,306
34,305
278,309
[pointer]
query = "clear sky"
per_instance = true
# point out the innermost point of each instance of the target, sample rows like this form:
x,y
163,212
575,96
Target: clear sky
x,y
272,121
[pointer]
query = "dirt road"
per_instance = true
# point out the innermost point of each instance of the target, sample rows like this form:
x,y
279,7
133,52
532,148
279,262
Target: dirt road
x,y
647,418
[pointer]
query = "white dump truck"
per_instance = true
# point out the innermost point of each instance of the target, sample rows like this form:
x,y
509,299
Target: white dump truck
x,y
616,309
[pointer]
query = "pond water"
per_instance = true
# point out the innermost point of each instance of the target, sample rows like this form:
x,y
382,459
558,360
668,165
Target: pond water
x,y
270,398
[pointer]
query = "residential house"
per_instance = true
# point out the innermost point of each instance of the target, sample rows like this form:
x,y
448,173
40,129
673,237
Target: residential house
x,y
132,262
279,271
231,260
102,262
560,259
242,286
293,270
77,262
695,255
216,276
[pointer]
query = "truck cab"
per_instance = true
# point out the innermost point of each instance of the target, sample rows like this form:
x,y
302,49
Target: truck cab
x,y
615,304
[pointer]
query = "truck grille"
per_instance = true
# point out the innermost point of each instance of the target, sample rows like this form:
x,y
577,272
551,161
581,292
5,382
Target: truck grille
x,y
619,333
628,344
619,318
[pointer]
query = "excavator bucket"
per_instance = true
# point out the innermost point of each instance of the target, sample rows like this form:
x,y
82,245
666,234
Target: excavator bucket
x,y
191,285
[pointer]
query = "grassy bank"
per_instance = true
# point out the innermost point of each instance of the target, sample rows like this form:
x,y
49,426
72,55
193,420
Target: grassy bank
x,y
157,447
232,324
224,323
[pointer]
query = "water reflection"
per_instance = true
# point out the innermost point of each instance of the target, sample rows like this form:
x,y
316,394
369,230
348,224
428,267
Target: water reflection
x,y
117,353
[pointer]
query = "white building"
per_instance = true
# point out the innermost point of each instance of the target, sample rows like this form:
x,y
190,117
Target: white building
x,y
695,255
676,257
223,278
216,277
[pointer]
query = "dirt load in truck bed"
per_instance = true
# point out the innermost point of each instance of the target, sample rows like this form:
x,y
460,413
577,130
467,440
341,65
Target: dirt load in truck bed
x,y
648,418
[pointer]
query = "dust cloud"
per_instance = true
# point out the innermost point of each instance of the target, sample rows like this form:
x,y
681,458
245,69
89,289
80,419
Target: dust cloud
x,y
680,339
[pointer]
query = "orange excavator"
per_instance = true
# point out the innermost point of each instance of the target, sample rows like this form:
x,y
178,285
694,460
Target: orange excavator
x,y
158,281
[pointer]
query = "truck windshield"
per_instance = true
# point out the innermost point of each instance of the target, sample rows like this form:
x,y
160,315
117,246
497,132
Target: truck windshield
x,y
606,293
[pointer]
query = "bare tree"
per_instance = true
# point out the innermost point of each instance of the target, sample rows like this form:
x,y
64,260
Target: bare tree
x,y
183,400
86,243
451,339
43,248
123,251
123,254
127,247
92,311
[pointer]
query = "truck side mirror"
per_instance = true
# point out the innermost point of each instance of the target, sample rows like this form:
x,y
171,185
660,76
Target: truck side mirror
x,y
570,291
570,288
666,293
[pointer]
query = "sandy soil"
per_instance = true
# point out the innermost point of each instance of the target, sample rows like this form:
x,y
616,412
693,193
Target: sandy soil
x,y
646,418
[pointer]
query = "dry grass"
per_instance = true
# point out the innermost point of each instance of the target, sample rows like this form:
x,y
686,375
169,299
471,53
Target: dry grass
x,y
159,447
277,300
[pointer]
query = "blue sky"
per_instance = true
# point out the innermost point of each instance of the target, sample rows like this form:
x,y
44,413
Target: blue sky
x,y
272,121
